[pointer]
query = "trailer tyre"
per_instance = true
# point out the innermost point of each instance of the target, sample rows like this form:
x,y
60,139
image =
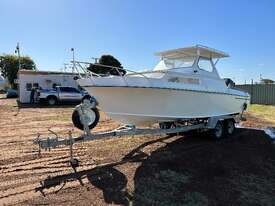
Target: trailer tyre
x,y
218,131
230,127
94,120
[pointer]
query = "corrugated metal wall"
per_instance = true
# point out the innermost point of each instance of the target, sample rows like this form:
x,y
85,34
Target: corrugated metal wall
x,y
260,93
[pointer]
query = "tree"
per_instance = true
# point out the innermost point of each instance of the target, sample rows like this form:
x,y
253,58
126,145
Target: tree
x,y
9,66
107,60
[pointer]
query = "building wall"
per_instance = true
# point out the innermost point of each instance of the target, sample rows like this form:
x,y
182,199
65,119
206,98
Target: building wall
x,y
3,83
44,81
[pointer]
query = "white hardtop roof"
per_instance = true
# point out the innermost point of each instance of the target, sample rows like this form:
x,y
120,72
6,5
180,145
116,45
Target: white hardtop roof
x,y
197,50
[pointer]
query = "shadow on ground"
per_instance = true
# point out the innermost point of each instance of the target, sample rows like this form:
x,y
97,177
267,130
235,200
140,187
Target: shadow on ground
x,y
196,171
191,171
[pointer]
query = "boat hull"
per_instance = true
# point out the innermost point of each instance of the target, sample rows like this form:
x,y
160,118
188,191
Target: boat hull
x,y
145,106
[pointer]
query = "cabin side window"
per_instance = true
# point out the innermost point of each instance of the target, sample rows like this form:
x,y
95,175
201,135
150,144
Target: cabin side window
x,y
180,62
205,64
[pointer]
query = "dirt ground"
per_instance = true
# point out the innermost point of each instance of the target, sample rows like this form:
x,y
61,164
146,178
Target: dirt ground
x,y
145,170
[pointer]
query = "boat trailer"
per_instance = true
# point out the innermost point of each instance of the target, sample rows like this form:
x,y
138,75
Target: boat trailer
x,y
128,130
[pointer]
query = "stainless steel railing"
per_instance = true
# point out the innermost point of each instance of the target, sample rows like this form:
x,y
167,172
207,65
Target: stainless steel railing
x,y
83,72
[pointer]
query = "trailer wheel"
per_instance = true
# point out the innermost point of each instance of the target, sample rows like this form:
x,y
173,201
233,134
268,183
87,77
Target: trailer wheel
x,y
230,127
92,116
218,131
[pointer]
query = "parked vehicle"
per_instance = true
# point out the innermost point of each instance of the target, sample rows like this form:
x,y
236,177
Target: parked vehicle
x,y
62,95
12,93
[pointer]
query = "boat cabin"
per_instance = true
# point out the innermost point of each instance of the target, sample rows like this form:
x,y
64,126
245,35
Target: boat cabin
x,y
197,59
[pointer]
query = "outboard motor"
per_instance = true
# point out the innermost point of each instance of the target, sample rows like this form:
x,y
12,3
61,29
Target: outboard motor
x,y
229,83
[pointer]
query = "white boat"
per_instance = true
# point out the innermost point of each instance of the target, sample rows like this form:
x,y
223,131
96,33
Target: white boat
x,y
185,84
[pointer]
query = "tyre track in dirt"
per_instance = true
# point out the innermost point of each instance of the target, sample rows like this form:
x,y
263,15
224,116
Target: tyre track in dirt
x,y
18,181
20,168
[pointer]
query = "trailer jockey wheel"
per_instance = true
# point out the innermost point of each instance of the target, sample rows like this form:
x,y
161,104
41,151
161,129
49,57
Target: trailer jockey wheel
x,y
90,116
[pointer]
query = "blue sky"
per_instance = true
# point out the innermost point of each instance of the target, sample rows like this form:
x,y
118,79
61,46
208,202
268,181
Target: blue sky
x,y
132,30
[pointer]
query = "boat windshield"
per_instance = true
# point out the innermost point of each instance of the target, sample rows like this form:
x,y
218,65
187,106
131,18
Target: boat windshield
x,y
179,63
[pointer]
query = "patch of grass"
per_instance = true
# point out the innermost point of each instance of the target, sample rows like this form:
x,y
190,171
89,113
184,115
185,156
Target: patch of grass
x,y
266,112
165,189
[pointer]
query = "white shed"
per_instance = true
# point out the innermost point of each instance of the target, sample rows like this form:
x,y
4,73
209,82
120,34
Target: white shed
x,y
44,79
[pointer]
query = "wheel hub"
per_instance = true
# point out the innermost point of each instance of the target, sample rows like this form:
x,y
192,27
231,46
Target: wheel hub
x,y
230,127
218,131
88,117
51,101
